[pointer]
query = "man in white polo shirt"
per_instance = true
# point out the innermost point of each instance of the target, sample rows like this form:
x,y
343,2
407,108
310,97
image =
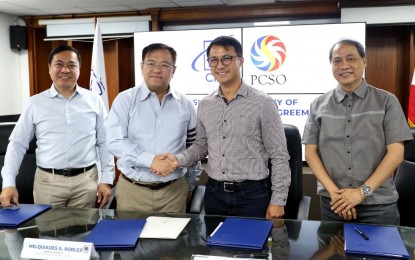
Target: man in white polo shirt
x,y
68,122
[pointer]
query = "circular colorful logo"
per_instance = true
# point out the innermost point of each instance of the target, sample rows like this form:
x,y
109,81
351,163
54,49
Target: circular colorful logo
x,y
268,53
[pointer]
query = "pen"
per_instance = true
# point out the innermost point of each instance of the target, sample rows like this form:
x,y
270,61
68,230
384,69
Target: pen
x,y
216,229
254,255
361,233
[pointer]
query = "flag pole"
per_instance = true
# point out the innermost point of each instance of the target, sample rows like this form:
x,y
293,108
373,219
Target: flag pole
x,y
98,80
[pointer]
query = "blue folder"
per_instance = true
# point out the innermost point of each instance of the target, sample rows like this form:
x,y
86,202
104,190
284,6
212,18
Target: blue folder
x,y
119,234
383,241
12,218
242,233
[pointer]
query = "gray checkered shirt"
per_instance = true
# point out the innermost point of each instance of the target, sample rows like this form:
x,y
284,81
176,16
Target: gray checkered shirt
x,y
240,136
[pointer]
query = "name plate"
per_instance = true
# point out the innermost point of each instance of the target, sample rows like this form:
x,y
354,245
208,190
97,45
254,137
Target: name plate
x,y
55,249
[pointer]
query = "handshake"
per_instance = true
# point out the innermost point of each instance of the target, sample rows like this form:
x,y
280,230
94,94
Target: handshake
x,y
164,164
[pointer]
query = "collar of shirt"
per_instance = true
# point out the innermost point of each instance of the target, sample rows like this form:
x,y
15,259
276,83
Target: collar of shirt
x,y
54,93
242,91
359,92
145,92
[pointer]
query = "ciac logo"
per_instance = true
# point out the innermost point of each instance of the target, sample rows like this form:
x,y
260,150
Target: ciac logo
x,y
268,53
200,64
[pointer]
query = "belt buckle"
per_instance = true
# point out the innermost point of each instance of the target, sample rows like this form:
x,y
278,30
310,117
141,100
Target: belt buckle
x,y
154,186
226,184
66,172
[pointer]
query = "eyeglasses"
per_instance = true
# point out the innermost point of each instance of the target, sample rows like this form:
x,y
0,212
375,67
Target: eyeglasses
x,y
152,65
226,60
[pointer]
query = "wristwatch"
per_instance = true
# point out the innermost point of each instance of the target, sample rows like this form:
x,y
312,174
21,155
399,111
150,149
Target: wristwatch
x,y
366,190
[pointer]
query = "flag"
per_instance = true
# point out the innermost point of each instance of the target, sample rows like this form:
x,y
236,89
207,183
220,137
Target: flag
x,y
411,106
98,80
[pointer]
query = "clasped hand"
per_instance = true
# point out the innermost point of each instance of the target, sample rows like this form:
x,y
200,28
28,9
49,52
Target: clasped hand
x,y
164,164
343,203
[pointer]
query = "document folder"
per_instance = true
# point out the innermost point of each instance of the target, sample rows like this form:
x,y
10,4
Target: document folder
x,y
382,241
241,233
116,234
12,218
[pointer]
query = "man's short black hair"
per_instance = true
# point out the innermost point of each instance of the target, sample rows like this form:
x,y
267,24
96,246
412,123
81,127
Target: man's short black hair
x,y
226,41
62,48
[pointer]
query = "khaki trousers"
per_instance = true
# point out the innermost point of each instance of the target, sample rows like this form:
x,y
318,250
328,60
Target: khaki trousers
x,y
76,191
171,198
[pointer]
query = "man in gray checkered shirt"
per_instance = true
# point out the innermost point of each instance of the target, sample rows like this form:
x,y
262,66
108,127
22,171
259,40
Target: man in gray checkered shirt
x,y
240,129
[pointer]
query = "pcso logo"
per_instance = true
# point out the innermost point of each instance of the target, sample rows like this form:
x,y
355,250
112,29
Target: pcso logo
x,y
268,53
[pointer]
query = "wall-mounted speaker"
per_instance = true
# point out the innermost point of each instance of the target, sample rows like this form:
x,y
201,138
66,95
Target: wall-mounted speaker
x,y
18,37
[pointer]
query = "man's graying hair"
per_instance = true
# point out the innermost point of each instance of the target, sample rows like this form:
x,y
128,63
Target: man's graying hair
x,y
159,46
359,47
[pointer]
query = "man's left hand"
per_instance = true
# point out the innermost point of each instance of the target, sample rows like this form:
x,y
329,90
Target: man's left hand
x,y
275,211
104,194
347,199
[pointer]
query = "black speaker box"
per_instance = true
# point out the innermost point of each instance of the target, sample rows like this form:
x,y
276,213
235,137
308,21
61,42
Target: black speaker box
x,y
18,37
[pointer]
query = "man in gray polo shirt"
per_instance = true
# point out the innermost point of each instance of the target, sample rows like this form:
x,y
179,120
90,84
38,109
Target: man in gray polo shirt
x,y
354,139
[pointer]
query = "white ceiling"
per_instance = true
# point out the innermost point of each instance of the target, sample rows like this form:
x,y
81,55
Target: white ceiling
x,y
59,7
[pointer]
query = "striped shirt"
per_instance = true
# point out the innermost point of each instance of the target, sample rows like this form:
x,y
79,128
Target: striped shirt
x,y
352,132
140,128
240,136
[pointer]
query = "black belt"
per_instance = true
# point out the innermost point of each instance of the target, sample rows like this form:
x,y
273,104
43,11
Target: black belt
x,y
68,172
151,186
230,186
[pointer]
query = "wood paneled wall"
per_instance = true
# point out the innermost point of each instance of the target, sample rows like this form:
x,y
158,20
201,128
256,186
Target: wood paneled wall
x,y
118,55
390,58
390,48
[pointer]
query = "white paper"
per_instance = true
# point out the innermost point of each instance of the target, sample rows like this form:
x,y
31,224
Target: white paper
x,y
163,227
55,249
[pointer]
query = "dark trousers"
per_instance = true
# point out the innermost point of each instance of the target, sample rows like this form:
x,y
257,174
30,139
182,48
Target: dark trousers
x,y
382,214
246,202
